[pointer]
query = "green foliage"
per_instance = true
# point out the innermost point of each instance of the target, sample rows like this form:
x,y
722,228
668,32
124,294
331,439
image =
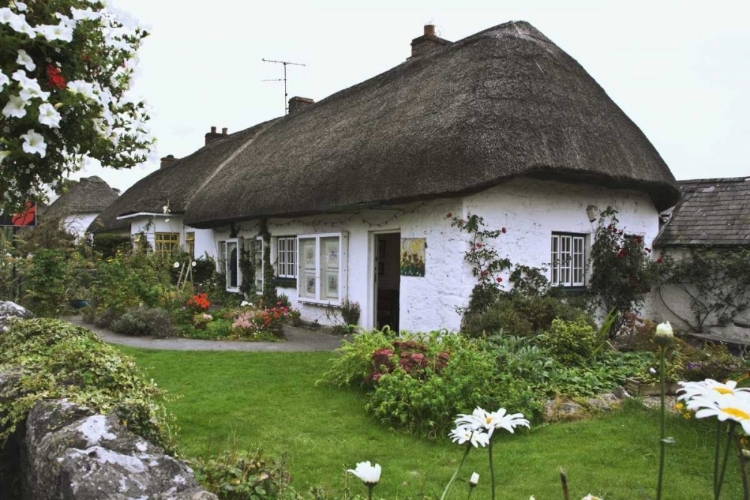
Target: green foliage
x,y
63,361
247,270
622,268
520,315
601,374
128,281
716,280
353,364
350,311
108,245
572,342
216,329
46,277
151,321
244,475
269,287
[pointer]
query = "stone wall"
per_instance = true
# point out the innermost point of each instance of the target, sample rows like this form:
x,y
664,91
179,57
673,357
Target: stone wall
x,y
69,452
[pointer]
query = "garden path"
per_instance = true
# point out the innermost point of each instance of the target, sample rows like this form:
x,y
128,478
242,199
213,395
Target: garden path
x,y
298,340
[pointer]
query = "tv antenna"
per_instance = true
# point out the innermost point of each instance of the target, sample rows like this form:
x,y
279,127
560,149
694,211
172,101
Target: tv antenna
x,y
285,63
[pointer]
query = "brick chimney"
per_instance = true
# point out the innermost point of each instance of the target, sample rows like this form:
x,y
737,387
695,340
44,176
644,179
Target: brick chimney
x,y
168,160
298,103
214,135
428,42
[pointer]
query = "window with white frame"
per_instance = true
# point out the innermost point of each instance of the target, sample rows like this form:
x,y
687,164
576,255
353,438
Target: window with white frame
x,y
322,267
568,258
286,261
232,264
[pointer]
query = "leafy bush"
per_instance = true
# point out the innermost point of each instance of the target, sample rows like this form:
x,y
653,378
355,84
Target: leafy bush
x,y
46,278
108,245
244,475
150,321
60,360
353,365
521,315
572,342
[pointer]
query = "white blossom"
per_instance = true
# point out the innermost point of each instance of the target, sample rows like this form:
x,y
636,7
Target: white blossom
x,y
49,116
368,473
82,87
16,107
25,60
20,6
33,143
56,32
4,80
85,14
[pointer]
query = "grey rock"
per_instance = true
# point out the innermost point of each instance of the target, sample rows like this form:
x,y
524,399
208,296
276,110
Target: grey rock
x,y
620,393
76,454
604,402
11,309
562,410
9,389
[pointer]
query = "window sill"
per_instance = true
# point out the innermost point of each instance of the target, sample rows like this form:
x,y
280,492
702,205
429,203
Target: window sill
x,y
314,302
285,282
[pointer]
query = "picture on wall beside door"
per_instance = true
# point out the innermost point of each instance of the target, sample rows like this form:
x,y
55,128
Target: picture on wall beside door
x,y
413,256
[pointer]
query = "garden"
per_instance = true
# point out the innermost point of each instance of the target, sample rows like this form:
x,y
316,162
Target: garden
x,y
534,382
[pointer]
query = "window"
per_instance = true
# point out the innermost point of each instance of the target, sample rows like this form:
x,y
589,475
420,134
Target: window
x,y
568,260
286,249
190,244
222,256
166,243
322,267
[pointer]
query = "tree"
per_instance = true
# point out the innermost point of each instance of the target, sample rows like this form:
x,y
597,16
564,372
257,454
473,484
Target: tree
x,y
65,72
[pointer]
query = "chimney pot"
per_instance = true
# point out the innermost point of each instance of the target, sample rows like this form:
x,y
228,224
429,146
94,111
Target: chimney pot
x,y
167,160
428,42
429,29
213,130
224,131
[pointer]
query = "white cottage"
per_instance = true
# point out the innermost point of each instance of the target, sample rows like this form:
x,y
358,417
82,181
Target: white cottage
x,y
77,208
502,124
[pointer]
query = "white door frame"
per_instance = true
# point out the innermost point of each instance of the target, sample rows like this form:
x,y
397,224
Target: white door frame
x,y
372,260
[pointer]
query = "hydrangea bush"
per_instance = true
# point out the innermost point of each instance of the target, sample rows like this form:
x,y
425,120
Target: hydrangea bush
x,y
65,71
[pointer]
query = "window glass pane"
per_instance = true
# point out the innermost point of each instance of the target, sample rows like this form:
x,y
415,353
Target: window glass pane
x,y
258,265
578,260
309,283
555,260
329,268
565,259
232,264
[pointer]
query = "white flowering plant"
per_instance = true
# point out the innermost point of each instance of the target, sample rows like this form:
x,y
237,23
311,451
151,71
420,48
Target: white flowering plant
x,y
65,73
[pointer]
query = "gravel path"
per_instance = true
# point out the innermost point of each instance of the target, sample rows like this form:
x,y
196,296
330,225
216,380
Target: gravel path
x,y
298,340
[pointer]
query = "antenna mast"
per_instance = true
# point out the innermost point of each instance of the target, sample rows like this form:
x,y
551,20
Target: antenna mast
x,y
285,63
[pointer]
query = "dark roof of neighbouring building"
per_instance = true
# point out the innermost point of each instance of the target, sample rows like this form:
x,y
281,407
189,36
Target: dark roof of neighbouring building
x,y
712,212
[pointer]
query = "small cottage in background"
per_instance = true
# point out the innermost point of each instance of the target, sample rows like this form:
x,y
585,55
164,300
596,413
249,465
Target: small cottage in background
x,y
81,204
712,219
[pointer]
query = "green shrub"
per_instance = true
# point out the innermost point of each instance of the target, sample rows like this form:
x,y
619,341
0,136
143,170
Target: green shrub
x,y
60,360
46,278
521,315
572,342
352,365
107,245
150,321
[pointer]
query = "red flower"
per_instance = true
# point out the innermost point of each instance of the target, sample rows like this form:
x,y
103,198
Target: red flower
x,y
479,245
499,279
503,230
449,215
55,78
659,260
622,254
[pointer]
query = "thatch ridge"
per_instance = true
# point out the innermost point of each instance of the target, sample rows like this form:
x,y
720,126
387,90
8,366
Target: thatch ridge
x,y
712,212
502,103
90,195
174,184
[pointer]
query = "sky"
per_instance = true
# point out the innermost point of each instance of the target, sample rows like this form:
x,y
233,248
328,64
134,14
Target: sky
x,y
678,69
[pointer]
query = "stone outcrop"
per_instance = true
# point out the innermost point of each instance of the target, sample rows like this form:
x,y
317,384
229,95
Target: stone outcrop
x,y
11,309
70,452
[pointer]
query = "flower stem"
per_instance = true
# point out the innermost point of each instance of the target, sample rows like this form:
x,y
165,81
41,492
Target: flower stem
x,y
743,469
564,483
662,443
449,486
716,455
369,491
732,425
492,470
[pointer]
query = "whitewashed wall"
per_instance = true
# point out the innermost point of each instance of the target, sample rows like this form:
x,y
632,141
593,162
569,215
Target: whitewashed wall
x,y
150,225
78,224
530,210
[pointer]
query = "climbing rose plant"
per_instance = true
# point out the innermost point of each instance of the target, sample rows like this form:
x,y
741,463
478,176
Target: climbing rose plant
x,y
65,71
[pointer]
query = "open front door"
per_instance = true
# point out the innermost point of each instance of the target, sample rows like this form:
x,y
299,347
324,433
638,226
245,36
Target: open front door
x,y
387,280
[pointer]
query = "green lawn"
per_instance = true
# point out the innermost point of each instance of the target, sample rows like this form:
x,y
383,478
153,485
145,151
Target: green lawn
x,y
271,400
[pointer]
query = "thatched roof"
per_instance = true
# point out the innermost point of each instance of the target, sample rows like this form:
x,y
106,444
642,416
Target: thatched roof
x,y
712,212
175,183
502,103
90,195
